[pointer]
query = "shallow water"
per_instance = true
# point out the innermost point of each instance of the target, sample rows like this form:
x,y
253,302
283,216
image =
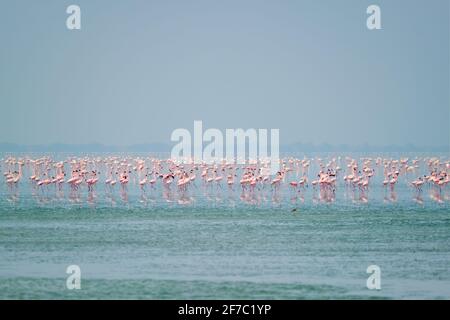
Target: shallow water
x,y
214,244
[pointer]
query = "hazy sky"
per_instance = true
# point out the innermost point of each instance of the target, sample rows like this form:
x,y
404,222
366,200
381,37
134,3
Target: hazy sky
x,y
137,70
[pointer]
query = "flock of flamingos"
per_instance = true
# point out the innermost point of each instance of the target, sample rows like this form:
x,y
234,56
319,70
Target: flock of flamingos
x,y
178,180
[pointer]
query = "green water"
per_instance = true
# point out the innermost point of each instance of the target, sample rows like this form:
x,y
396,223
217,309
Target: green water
x,y
317,252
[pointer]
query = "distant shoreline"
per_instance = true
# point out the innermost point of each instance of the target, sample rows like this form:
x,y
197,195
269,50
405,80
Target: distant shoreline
x,y
166,148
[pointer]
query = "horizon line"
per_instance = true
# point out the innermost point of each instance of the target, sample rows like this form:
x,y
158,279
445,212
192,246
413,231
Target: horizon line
x,y
166,147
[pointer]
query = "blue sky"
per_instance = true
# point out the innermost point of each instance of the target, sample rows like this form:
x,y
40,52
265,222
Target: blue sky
x,y
137,70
